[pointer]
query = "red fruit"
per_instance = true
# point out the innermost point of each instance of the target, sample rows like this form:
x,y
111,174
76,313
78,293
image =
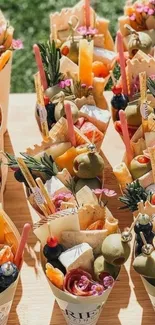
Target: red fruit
x,y
117,90
153,199
118,128
52,241
46,100
65,50
143,160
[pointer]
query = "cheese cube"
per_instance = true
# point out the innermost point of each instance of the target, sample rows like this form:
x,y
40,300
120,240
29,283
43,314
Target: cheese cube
x,y
79,256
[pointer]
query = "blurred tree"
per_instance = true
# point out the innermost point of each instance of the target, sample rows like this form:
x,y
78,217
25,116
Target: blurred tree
x,y
30,19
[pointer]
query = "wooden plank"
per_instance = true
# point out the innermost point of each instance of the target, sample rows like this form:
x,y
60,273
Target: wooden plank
x,y
34,303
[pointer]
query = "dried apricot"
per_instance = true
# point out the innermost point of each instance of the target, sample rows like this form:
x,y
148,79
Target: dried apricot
x,y
55,275
100,69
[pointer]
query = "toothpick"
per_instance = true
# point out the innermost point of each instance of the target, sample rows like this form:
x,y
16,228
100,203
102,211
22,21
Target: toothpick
x,y
49,229
93,137
143,238
133,224
141,207
112,77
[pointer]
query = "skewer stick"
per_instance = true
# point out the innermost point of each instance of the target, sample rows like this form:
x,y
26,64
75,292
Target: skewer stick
x,y
93,137
22,244
71,131
126,138
40,66
143,238
32,184
144,105
112,77
41,107
152,158
45,194
122,62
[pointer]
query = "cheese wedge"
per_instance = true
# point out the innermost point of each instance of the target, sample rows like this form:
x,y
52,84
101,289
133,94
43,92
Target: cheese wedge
x,y
86,196
92,237
79,256
100,118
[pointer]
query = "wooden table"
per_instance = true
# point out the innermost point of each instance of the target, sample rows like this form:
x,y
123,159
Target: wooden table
x,y
34,303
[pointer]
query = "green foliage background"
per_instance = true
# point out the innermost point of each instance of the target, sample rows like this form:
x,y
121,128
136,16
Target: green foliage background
x,y
30,19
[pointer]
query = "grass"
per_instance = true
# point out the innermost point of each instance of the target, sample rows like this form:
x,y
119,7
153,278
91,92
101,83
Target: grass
x,y
30,19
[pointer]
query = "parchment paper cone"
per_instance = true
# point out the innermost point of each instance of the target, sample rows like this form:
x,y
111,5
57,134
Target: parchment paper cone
x,y
76,310
138,147
3,166
6,297
5,76
150,289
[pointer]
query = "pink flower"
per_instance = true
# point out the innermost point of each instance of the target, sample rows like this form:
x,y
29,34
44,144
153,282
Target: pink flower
x,y
109,193
152,2
139,8
133,16
67,83
83,30
17,44
62,84
146,9
152,76
150,12
106,191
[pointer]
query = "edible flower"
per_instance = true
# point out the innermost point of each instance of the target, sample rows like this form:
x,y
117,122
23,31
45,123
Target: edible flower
x,y
106,191
17,44
84,31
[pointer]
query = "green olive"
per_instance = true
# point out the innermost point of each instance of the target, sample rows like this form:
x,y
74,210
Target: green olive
x,y
92,183
139,168
72,51
88,165
139,41
101,266
60,111
114,250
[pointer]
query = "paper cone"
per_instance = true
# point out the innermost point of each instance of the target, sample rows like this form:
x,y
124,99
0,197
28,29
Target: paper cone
x,y
3,167
78,310
5,76
12,238
150,289
138,145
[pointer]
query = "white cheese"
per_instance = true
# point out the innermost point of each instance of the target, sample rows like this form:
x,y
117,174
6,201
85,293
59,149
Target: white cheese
x,y
96,112
104,55
79,256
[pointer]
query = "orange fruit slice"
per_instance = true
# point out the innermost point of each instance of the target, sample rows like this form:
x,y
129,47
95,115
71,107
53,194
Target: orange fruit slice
x,y
55,275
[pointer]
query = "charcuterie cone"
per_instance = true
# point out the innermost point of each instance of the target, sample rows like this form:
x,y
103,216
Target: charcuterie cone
x,y
11,238
5,77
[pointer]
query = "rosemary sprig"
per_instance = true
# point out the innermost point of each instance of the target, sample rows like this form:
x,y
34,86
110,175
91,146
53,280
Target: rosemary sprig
x,y
45,164
51,62
71,186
